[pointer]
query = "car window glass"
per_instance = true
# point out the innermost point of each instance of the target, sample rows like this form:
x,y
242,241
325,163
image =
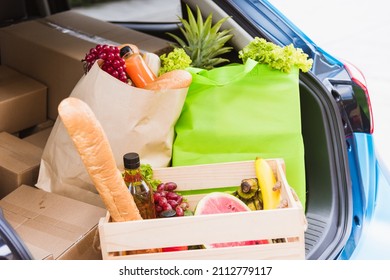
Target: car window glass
x,y
129,10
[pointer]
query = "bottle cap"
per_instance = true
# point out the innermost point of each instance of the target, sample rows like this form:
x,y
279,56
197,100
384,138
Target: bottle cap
x,y
131,161
125,51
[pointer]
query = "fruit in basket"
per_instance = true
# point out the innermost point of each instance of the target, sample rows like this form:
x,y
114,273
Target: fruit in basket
x,y
219,202
169,204
269,187
113,64
249,193
167,200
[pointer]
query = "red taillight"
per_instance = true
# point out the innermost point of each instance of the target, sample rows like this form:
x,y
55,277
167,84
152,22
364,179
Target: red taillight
x,y
359,79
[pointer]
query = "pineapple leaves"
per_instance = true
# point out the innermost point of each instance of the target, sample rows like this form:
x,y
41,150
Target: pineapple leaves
x,y
203,42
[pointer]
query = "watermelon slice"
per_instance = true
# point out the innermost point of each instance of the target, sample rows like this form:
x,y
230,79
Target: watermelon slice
x,y
219,202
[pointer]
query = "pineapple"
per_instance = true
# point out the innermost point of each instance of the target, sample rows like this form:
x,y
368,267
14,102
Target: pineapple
x,y
204,42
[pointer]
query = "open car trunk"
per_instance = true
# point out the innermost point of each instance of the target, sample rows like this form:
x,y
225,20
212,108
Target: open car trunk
x,y
328,185
328,197
327,181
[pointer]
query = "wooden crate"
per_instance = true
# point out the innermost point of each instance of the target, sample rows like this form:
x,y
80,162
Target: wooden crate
x,y
288,223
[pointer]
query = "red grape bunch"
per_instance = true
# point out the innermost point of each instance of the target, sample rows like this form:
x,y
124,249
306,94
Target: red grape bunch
x,y
113,63
167,202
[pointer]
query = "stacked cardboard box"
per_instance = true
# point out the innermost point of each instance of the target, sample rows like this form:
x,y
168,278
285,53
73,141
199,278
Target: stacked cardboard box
x,y
52,226
50,49
19,163
46,54
22,101
39,138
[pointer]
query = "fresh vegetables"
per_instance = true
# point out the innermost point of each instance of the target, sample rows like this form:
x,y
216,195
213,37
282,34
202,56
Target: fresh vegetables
x,y
281,58
203,43
176,59
147,174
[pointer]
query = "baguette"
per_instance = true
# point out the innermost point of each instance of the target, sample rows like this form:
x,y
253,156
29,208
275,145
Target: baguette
x,y
174,79
96,154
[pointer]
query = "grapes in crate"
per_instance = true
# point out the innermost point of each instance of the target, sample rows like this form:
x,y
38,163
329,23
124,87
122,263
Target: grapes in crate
x,y
169,203
113,63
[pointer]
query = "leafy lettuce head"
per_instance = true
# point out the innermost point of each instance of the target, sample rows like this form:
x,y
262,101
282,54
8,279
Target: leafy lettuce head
x,y
280,58
176,59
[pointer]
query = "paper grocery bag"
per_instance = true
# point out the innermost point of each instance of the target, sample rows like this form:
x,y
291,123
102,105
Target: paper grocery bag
x,y
134,120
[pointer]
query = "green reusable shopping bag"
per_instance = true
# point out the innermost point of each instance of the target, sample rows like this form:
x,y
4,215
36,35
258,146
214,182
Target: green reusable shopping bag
x,y
240,112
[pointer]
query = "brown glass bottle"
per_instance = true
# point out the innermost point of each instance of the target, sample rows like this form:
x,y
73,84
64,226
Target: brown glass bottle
x,y
138,187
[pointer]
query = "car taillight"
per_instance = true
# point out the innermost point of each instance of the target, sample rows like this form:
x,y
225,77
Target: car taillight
x,y
358,78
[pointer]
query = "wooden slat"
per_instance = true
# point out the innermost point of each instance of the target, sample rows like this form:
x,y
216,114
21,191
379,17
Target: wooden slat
x,y
279,251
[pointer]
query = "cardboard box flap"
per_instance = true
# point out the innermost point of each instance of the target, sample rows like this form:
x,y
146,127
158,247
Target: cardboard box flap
x,y
72,20
40,34
82,32
100,32
47,221
17,155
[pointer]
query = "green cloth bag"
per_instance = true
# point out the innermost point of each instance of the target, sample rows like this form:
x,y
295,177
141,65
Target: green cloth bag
x,y
240,112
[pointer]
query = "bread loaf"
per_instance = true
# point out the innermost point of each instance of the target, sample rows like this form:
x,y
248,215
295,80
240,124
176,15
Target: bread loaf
x,y
174,79
96,154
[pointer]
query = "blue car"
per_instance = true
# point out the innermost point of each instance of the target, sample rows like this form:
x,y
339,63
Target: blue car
x,y
347,190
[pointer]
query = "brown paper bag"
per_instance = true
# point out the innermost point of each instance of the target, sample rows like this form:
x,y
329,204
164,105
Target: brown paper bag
x,y
134,119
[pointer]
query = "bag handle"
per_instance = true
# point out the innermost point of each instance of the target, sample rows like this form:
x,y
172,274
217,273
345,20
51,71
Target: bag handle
x,y
216,77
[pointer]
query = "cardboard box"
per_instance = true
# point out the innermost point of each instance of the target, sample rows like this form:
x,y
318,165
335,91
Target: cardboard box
x,y
50,49
22,101
288,224
19,163
53,226
39,138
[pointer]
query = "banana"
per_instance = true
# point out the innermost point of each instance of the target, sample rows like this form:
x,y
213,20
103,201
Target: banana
x,y
269,187
249,192
248,188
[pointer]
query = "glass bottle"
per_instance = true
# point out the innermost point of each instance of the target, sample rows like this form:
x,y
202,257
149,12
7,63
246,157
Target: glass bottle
x,y
138,187
136,68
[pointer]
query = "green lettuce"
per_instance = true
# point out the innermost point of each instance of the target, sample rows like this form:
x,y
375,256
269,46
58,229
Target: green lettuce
x,y
280,58
147,174
174,60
